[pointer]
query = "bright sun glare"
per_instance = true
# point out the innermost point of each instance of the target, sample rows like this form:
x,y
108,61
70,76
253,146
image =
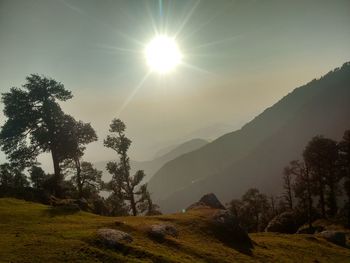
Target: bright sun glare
x,y
163,54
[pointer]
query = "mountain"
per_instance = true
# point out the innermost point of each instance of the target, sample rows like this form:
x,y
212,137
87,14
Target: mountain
x,y
208,133
150,167
255,155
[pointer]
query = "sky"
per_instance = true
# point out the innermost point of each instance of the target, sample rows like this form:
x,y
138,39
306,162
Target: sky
x,y
239,57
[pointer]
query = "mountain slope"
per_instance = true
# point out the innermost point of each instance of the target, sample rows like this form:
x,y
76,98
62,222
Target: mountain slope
x,y
32,232
150,167
255,155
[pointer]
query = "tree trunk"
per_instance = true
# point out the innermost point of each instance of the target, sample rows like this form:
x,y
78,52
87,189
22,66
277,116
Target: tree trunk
x,y
79,181
127,180
322,201
349,212
133,205
309,199
332,200
57,174
290,198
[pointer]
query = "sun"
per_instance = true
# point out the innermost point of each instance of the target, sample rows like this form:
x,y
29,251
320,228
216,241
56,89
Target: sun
x,y
162,54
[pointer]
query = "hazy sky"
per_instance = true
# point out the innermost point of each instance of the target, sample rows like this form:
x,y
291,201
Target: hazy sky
x,y
239,58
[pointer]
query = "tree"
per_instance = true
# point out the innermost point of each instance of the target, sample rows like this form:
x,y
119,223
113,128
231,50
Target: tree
x,y
89,180
235,207
12,177
321,157
302,187
6,176
344,152
34,121
116,205
287,185
258,206
125,185
78,135
20,180
274,206
37,177
146,204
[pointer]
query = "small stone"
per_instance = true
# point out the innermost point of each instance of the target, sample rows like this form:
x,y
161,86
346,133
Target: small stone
x,y
112,237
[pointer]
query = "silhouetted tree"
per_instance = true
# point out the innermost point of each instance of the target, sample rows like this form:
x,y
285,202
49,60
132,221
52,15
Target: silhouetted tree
x,y
34,121
235,207
274,205
344,149
37,177
6,176
80,134
20,180
287,185
321,157
257,205
302,187
146,204
116,205
89,180
125,185
12,177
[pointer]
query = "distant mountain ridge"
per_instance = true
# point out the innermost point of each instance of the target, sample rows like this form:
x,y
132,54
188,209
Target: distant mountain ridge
x,y
150,167
255,155
208,133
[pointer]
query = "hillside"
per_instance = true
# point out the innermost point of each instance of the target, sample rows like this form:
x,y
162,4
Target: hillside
x,y
255,155
37,233
151,167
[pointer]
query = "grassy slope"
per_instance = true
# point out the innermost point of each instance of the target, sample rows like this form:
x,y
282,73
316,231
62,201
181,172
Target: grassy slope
x,y
35,233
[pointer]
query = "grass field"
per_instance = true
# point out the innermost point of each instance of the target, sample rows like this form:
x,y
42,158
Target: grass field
x,y
31,232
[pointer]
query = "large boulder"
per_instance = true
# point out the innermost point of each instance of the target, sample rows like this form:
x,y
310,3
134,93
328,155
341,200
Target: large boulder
x,y
285,222
228,229
335,237
113,238
207,201
160,231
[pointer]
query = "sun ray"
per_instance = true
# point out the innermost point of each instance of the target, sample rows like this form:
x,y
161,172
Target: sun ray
x,y
156,30
117,49
187,18
196,68
217,42
83,13
199,28
133,93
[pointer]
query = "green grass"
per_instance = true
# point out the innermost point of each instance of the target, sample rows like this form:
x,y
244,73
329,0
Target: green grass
x,y
32,232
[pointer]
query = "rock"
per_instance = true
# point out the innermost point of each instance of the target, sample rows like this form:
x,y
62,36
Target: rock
x,y
285,222
68,205
335,237
208,200
112,237
160,231
227,224
304,229
82,203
